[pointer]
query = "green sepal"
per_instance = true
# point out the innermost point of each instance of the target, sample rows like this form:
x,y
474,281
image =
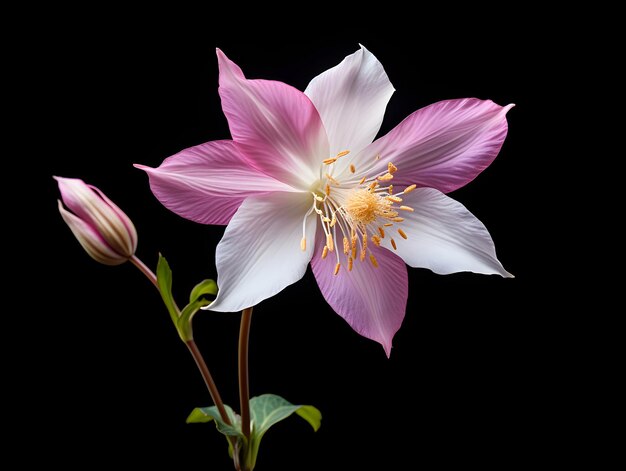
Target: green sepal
x,y
164,280
203,289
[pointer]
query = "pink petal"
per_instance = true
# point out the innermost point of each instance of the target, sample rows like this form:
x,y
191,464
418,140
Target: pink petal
x,y
260,253
372,300
276,126
207,183
351,99
444,236
444,145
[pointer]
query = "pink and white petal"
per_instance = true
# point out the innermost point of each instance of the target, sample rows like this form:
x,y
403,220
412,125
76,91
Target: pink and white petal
x,y
260,253
371,300
275,125
444,236
90,239
351,99
443,146
207,183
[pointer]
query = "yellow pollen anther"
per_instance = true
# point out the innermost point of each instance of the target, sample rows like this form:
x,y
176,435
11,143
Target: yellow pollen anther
x,y
329,242
332,160
390,189
352,168
325,219
397,219
319,198
353,243
395,199
346,245
303,244
381,231
388,224
332,179
373,260
386,177
342,153
402,233
350,262
410,188
391,168
324,252
327,189
406,208
337,267
393,244
373,185
376,240
362,181
333,221
363,248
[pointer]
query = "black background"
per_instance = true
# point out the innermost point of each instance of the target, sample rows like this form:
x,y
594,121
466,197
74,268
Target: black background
x,y
470,378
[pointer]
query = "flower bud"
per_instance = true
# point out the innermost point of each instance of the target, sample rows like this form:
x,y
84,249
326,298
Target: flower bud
x,y
104,231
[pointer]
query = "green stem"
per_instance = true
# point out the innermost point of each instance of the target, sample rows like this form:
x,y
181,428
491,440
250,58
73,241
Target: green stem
x,y
193,349
244,389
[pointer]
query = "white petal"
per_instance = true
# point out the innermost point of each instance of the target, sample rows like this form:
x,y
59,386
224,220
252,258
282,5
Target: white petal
x,y
351,99
260,253
443,236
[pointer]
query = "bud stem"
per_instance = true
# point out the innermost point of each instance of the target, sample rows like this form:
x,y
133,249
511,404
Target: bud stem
x,y
145,270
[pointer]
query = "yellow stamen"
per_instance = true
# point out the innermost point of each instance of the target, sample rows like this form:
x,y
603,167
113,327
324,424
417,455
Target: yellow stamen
x,y
346,245
332,179
332,160
402,233
329,242
373,260
386,177
388,224
393,244
325,219
390,189
397,219
350,262
319,198
342,153
337,267
303,244
362,181
324,252
395,199
353,243
391,168
352,168
327,189
381,231
333,221
373,185
406,208
410,188
376,240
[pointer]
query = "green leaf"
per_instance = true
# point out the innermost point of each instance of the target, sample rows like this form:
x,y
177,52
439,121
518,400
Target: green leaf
x,y
201,415
164,280
269,409
202,289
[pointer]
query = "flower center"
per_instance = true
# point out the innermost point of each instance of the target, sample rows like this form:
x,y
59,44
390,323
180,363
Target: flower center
x,y
353,211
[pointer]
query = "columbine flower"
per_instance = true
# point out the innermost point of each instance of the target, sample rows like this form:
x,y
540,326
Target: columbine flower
x,y
302,182
104,231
